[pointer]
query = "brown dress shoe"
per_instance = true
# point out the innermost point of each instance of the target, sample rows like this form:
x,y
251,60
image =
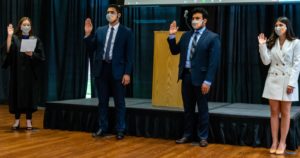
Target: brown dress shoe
x,y
203,143
182,140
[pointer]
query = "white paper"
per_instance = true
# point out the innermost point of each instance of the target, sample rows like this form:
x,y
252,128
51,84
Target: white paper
x,y
28,45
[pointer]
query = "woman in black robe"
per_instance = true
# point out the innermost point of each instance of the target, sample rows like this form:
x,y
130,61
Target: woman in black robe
x,y
24,90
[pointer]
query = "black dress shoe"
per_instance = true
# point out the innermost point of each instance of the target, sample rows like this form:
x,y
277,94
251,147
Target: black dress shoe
x,y
182,140
120,136
99,133
203,143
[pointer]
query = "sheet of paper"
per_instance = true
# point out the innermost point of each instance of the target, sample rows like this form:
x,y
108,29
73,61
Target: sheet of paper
x,y
28,45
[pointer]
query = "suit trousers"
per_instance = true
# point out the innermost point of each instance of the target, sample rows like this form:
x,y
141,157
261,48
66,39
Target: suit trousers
x,y
106,85
191,96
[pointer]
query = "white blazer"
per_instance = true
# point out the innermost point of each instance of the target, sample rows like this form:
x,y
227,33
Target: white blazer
x,y
284,70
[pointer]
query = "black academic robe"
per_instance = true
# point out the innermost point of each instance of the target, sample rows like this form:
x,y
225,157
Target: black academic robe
x,y
24,84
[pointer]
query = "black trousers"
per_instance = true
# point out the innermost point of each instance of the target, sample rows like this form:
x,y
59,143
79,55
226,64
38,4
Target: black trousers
x,y
191,96
28,115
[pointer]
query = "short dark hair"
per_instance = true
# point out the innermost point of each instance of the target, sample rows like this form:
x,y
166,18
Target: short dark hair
x,y
201,11
117,7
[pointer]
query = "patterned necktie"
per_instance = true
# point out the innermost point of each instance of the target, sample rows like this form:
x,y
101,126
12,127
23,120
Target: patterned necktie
x,y
194,44
108,47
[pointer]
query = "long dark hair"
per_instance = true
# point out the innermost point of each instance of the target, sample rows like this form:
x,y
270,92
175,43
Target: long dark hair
x,y
19,31
290,35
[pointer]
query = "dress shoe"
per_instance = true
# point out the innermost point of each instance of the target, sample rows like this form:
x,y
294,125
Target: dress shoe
x,y
281,152
182,140
203,143
120,136
29,125
16,125
99,133
273,149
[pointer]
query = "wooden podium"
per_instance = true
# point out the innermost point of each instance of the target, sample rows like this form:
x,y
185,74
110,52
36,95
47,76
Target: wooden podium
x,y
166,90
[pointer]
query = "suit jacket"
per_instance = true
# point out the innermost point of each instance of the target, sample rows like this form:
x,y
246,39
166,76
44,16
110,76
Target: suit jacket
x,y
205,61
284,69
122,58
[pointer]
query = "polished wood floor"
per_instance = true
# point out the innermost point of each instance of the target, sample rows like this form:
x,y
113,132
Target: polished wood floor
x,y
42,143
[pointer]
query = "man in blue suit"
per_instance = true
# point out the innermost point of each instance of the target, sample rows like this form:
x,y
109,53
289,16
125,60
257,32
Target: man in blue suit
x,y
199,51
114,47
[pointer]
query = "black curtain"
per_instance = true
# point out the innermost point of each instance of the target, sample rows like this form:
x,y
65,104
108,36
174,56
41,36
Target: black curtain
x,y
144,21
68,60
241,74
10,12
60,24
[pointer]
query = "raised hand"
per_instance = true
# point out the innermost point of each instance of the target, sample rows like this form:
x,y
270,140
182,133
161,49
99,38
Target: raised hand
x,y
88,27
173,28
262,39
10,30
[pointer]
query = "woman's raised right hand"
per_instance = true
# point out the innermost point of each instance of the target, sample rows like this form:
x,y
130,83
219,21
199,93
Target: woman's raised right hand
x,y
10,30
262,39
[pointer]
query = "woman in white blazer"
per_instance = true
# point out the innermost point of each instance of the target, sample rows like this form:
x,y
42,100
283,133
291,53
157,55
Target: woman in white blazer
x,y
282,51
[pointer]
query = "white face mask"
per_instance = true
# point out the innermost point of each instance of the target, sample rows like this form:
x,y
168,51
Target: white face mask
x,y
279,30
111,17
26,29
197,23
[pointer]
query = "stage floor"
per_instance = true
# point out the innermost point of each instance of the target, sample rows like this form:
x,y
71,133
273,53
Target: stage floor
x,y
235,109
237,123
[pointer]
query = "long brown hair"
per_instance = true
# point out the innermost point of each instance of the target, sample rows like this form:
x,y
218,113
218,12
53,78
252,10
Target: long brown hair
x,y
19,31
290,35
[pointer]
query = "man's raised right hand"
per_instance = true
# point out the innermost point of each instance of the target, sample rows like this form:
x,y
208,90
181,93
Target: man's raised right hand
x,y
88,27
173,28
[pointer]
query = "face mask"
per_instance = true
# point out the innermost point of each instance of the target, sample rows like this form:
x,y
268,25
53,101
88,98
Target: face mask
x,y
25,29
111,17
196,23
279,30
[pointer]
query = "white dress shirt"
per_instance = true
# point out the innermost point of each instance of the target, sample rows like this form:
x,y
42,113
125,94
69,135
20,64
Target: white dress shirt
x,y
116,27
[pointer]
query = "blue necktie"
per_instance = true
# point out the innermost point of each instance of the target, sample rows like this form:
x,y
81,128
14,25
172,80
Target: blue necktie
x,y
108,47
194,44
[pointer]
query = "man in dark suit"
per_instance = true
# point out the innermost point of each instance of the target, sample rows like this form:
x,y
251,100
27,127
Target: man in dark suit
x,y
113,46
199,51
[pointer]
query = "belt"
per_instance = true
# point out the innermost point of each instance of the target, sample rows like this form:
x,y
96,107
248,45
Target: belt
x,y
187,70
106,61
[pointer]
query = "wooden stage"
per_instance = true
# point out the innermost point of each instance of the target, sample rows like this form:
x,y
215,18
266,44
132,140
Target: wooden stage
x,y
43,143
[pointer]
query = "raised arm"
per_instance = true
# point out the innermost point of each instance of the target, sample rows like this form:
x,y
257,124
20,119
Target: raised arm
x,y
89,38
263,50
174,47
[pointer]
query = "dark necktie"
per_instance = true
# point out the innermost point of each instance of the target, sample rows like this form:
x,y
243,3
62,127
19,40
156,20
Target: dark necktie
x,y
194,44
108,47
